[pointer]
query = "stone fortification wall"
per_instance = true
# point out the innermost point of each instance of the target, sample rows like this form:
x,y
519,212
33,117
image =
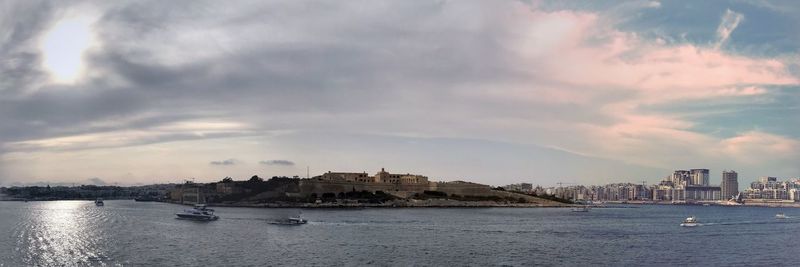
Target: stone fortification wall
x,y
317,186
462,188
314,186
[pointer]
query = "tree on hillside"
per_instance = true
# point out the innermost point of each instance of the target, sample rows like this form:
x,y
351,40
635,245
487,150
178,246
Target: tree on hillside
x,y
228,179
255,179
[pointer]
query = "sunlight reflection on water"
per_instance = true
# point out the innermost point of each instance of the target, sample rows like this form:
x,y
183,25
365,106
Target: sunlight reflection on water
x,y
60,232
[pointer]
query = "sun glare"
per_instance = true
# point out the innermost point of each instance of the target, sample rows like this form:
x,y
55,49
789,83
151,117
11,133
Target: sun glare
x,y
63,47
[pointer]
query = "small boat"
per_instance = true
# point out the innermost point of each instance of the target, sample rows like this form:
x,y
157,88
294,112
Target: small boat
x,y
99,202
581,209
690,222
780,215
736,200
296,220
199,213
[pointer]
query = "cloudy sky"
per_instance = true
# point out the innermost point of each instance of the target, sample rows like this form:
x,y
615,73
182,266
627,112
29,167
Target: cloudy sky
x,y
488,91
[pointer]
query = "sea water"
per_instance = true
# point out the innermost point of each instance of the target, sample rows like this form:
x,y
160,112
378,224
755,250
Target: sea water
x,y
128,233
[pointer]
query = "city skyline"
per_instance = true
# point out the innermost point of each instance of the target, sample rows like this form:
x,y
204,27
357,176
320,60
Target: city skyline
x,y
678,189
490,92
690,177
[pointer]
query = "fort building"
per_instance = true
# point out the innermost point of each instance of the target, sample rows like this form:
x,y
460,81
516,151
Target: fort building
x,y
402,185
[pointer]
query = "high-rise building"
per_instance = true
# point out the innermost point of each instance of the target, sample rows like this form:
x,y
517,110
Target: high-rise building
x,y
701,192
699,177
730,184
767,179
680,177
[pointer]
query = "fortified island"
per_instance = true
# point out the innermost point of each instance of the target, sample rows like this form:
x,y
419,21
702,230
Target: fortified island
x,y
331,189
352,189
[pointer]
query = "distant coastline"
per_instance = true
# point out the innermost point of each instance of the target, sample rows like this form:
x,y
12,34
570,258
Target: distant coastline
x,y
330,190
438,203
435,203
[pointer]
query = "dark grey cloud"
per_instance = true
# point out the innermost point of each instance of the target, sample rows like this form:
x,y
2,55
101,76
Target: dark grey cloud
x,y
315,70
278,162
224,162
64,112
20,24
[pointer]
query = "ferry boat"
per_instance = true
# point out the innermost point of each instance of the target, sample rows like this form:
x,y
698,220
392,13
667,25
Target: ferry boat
x,y
99,202
690,222
199,213
296,220
780,215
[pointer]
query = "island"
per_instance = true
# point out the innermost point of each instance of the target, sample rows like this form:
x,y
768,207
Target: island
x,y
328,190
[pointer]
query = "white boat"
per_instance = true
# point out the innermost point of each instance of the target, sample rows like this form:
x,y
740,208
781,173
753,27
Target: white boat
x,y
199,213
780,216
99,202
734,201
581,209
690,222
296,220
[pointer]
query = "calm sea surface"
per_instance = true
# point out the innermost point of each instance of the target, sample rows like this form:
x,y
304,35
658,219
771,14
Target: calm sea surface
x,y
70,233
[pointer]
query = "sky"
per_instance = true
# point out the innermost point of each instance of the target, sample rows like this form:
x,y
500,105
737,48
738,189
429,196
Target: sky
x,y
495,92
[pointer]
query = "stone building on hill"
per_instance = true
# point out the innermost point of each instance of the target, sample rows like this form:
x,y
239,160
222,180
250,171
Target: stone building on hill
x,y
380,177
401,185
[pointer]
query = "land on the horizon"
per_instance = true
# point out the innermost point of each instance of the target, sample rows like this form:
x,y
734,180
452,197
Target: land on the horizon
x,y
296,192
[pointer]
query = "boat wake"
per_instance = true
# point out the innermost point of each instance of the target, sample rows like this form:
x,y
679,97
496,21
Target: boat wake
x,y
787,220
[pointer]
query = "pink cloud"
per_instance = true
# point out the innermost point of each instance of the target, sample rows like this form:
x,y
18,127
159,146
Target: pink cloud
x,y
577,58
757,147
581,49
